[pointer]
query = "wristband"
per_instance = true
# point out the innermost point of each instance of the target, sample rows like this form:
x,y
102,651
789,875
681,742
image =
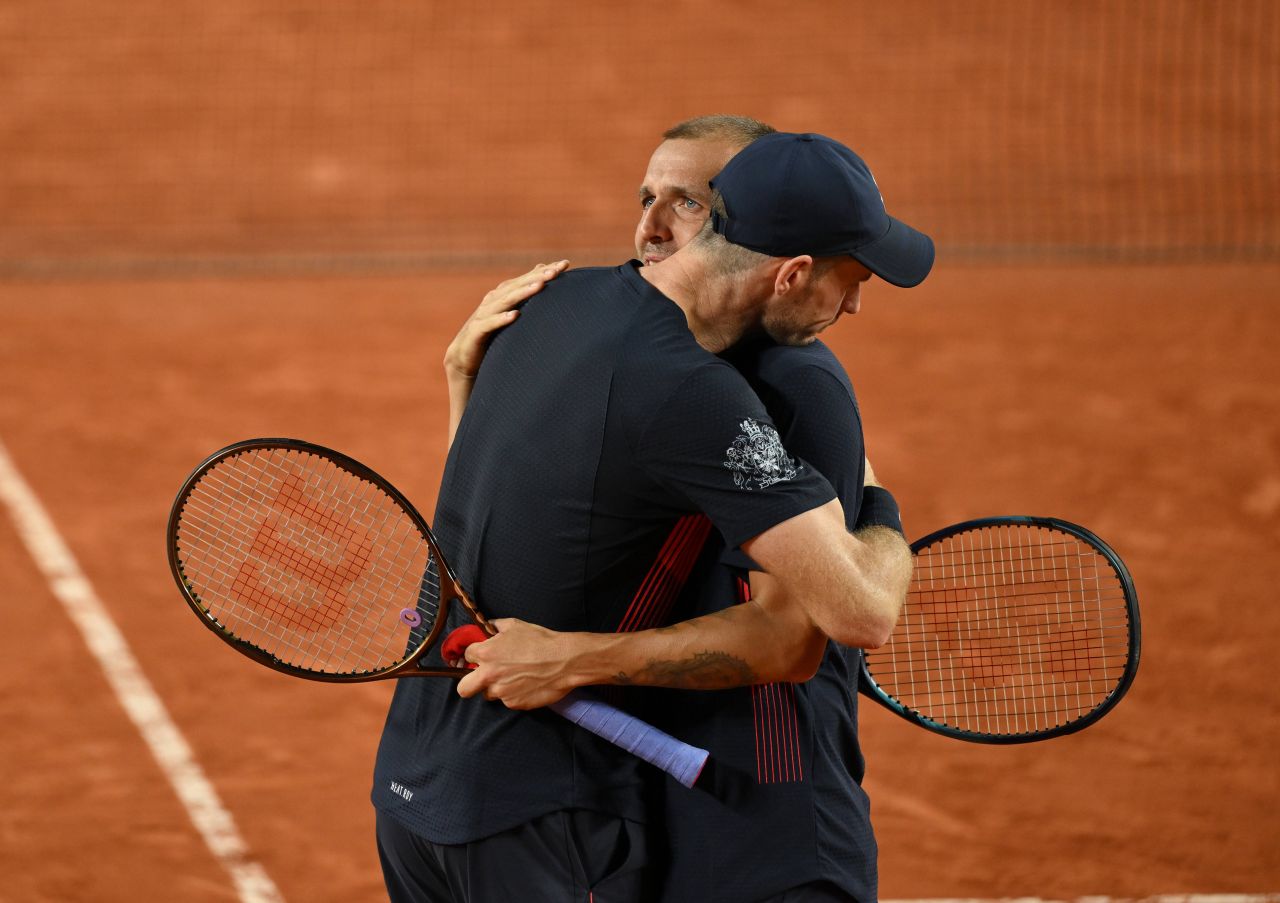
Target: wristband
x,y
879,509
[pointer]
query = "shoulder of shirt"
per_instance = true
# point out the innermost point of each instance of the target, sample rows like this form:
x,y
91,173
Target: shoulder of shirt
x,y
587,279
794,372
666,336
815,355
595,304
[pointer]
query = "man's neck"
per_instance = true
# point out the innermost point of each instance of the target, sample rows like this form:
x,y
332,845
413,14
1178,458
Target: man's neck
x,y
714,306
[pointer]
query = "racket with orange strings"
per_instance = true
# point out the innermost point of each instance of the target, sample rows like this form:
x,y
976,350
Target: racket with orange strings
x,y
312,564
1015,629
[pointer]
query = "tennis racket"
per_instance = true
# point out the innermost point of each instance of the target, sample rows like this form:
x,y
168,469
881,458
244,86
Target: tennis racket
x,y
1015,629
310,563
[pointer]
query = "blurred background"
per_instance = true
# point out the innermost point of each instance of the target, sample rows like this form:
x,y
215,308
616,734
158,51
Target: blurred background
x,y
163,134
269,217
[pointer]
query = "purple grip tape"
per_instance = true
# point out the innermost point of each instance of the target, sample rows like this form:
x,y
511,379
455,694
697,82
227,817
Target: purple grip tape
x,y
677,758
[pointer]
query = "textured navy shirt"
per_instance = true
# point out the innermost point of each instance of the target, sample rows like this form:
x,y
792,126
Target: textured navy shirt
x,y
803,816
596,422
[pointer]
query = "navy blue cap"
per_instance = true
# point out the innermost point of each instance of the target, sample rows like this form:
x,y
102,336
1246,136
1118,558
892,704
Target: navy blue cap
x,y
786,195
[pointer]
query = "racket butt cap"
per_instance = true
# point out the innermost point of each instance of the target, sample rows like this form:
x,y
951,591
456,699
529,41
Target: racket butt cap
x,y
454,647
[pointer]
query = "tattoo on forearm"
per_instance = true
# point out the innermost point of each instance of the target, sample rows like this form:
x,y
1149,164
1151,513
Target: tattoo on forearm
x,y
702,671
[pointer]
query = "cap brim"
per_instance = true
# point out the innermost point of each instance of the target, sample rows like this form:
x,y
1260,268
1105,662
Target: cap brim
x,y
902,256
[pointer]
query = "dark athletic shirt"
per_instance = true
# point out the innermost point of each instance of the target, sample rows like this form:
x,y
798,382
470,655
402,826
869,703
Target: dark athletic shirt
x,y
804,816
595,423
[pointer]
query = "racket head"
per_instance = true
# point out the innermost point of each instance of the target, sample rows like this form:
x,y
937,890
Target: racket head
x,y
1016,629
309,562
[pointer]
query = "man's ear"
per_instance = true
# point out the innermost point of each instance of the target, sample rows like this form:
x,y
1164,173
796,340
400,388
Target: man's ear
x,y
793,275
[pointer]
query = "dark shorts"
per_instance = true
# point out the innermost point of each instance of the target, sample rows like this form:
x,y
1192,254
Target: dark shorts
x,y
570,856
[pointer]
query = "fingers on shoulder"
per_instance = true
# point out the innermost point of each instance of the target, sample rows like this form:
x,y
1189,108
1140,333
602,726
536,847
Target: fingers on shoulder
x,y
510,293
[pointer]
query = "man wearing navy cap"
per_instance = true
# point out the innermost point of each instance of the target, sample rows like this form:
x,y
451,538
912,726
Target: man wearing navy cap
x,y
829,206
658,436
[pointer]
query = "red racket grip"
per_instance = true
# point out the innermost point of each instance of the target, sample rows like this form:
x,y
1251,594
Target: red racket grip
x,y
455,644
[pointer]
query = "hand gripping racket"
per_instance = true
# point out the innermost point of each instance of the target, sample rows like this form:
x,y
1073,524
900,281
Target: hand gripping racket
x,y
1015,629
310,563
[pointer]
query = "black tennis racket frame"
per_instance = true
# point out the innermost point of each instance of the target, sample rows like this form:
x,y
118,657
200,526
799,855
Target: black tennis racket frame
x,y
868,686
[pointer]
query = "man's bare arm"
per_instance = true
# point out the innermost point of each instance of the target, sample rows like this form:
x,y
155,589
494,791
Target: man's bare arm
x,y
776,635
771,637
767,638
465,353
851,585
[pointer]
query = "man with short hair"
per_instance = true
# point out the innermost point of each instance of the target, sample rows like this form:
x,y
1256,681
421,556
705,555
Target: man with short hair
x,y
658,412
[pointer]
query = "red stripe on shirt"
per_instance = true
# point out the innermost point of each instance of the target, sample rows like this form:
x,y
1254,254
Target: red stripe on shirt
x,y
777,725
668,574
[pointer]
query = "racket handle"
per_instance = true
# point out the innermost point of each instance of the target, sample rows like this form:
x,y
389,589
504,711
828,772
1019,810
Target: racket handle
x,y
677,758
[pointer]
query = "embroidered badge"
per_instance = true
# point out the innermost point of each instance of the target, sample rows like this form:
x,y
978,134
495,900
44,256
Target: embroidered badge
x,y
758,459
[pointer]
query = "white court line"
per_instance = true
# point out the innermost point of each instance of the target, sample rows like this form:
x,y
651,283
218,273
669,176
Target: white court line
x,y
132,688
171,749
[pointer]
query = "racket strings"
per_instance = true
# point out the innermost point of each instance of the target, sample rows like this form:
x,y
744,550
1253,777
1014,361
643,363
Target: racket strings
x,y
297,557
1008,629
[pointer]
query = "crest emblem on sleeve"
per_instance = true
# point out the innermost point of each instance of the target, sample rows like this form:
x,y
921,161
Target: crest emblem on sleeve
x,y
757,457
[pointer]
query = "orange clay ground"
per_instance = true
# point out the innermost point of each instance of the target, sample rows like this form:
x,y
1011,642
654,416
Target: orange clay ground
x,y
1142,402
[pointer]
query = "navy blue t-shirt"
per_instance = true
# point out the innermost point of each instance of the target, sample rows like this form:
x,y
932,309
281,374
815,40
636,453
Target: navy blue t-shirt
x,y
804,816
596,422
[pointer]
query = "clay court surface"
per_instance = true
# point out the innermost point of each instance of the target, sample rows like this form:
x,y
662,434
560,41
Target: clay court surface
x,y
259,136
1140,401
